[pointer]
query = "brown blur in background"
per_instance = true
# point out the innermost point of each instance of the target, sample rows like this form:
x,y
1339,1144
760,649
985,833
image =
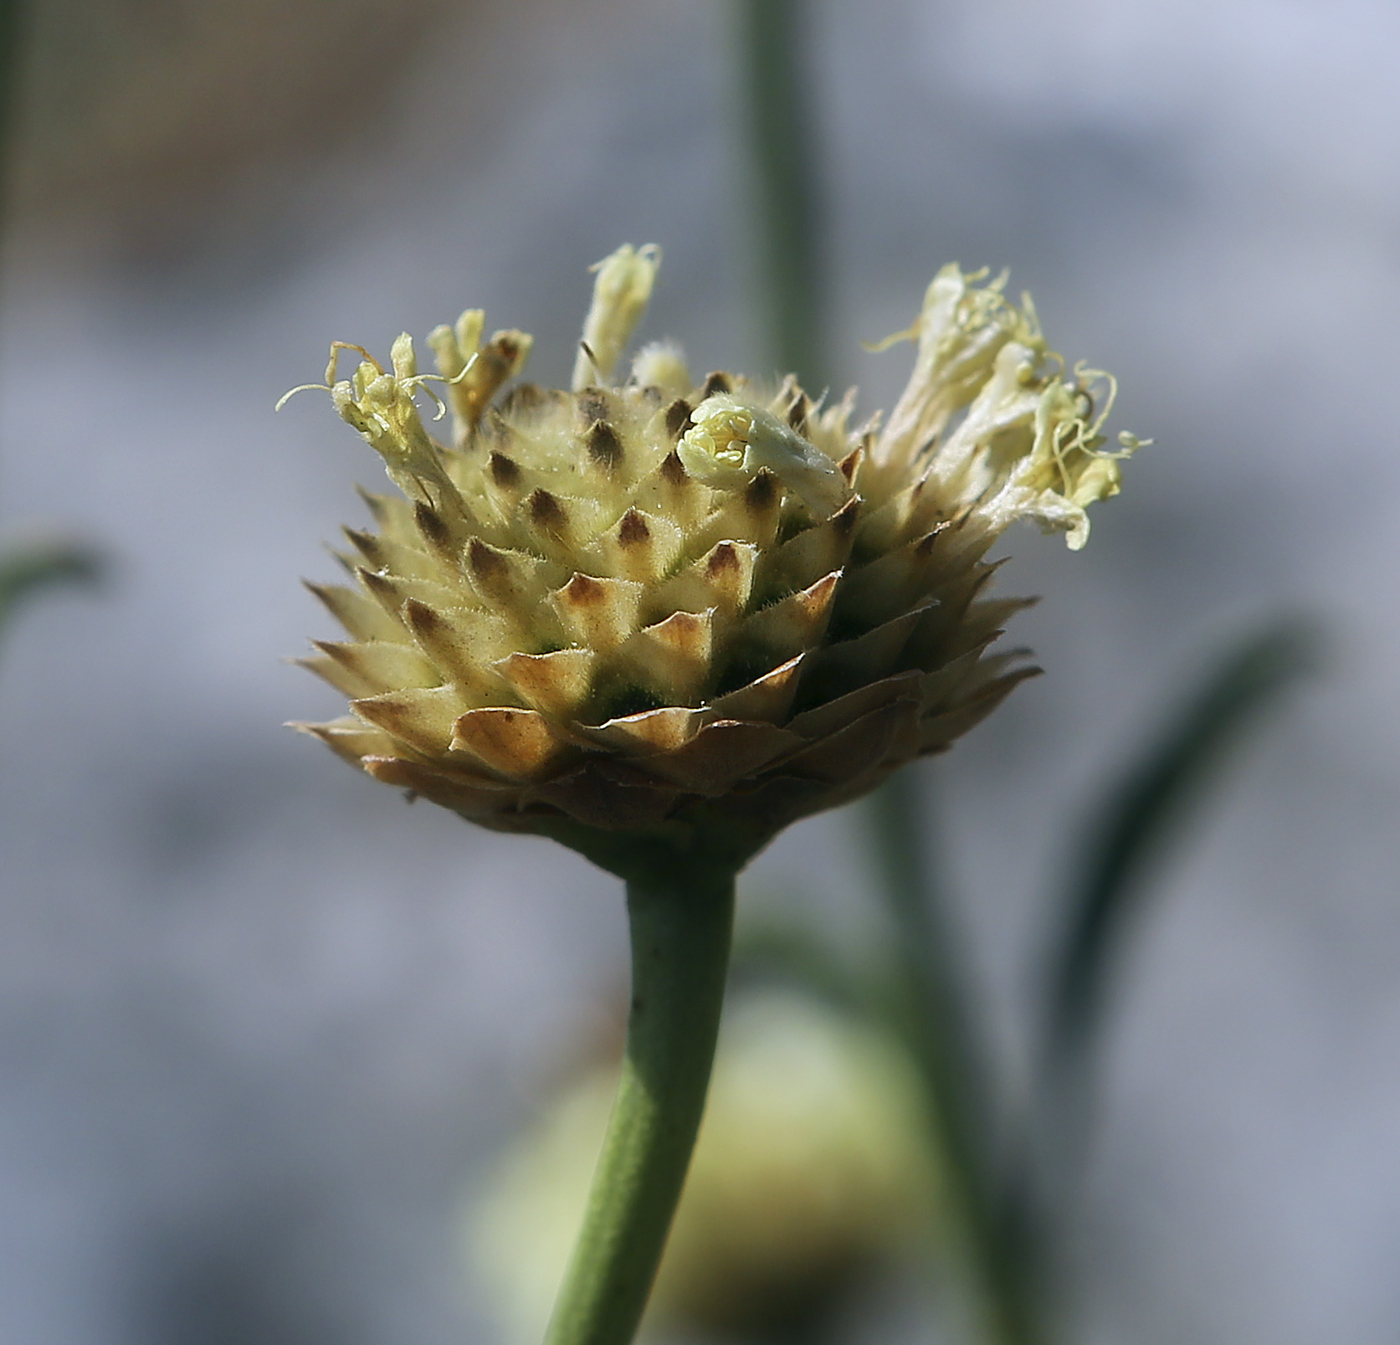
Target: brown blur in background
x,y
261,1024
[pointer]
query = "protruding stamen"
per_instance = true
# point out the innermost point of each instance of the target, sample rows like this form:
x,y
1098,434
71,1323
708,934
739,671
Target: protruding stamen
x,y
620,296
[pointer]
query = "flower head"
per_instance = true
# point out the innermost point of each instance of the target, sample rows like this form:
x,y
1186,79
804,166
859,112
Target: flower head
x,y
651,604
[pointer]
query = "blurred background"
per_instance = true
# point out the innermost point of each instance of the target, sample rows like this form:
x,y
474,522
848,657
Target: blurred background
x,y
263,1027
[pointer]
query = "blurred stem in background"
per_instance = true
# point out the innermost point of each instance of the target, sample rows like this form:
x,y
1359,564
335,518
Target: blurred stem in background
x,y
782,185
781,143
939,1028
11,44
1006,1189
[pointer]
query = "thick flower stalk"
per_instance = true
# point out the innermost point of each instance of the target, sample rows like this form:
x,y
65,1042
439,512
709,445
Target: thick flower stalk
x,y
659,618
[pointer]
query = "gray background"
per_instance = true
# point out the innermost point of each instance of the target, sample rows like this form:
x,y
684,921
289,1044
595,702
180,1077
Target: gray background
x,y
261,1024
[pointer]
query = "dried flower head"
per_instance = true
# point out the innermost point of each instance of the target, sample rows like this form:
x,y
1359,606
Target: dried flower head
x,y
655,605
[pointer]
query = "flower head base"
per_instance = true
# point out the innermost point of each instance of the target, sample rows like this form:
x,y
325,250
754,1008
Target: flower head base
x,y
648,605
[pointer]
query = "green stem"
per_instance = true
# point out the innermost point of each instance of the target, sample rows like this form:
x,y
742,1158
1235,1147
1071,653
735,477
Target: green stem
x,y
12,50
782,186
950,1055
681,926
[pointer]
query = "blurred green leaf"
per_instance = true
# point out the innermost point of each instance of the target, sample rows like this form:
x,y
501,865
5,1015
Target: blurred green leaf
x,y
26,571
1148,807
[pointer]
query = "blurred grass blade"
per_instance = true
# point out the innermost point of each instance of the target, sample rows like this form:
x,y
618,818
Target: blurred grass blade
x,y
1148,807
936,1019
937,1016
779,140
24,572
